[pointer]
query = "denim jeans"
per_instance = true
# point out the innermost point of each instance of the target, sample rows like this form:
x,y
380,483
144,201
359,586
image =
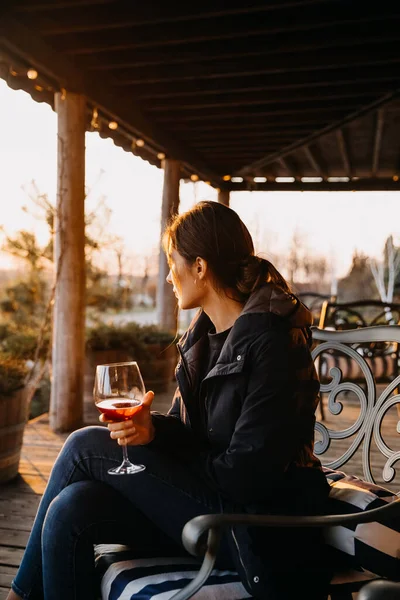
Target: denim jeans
x,y
83,505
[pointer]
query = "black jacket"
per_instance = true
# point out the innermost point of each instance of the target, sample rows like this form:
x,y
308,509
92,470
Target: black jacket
x,y
260,400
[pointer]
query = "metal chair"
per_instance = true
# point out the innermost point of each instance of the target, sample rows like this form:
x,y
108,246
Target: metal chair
x,y
380,590
382,357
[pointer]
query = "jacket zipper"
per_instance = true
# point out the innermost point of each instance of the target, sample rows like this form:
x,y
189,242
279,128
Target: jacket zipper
x,y
240,558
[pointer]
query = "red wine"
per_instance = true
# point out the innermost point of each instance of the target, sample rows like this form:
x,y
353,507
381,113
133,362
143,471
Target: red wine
x,y
119,409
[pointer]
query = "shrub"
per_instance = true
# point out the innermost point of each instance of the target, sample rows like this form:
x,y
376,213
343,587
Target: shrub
x,y
13,373
23,345
132,337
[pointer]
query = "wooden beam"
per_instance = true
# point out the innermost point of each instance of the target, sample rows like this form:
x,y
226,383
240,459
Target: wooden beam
x,y
344,152
288,164
237,139
261,100
225,27
254,167
246,73
22,42
328,112
269,126
380,116
166,302
314,161
223,197
263,87
377,184
248,142
142,14
382,80
68,359
30,7
329,48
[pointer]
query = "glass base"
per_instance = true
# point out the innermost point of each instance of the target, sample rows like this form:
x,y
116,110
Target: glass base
x,y
126,468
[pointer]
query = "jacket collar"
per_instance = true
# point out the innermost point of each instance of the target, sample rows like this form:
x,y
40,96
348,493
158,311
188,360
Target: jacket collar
x,y
267,299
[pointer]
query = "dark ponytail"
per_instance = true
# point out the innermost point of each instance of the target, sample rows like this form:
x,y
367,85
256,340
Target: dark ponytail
x,y
254,272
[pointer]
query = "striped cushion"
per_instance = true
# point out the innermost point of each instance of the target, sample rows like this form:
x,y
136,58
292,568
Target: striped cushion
x,y
128,578
361,553
371,546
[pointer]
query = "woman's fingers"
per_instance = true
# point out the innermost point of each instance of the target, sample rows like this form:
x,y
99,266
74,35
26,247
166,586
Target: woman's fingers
x,y
129,440
122,432
102,419
119,425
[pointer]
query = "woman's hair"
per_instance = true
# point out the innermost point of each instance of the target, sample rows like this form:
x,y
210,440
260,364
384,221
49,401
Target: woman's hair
x,y
216,233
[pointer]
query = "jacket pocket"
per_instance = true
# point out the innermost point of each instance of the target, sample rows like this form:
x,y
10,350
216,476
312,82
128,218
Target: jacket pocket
x,y
231,368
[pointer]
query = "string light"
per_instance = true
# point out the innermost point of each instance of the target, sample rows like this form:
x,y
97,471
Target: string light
x,y
226,178
161,155
32,74
63,93
208,182
140,143
194,177
94,123
113,125
12,72
395,177
39,88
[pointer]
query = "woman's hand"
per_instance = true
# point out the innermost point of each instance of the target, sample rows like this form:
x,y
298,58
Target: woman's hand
x,y
139,430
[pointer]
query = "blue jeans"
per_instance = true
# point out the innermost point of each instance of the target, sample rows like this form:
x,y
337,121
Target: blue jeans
x,y
83,505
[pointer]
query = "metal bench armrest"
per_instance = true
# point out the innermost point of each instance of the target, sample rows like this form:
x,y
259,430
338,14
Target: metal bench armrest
x,y
198,543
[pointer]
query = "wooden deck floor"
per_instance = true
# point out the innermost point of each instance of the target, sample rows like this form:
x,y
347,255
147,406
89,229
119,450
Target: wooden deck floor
x,y
19,499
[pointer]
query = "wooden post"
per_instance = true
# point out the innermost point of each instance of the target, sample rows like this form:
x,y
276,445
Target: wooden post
x,y
223,197
166,301
68,358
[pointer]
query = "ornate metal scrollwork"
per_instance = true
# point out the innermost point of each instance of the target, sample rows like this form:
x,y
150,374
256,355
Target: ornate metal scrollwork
x,y
368,424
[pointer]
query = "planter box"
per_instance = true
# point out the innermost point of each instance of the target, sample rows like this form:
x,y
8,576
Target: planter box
x,y
13,417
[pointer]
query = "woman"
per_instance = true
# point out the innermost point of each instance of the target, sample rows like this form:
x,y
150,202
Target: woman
x,y
238,437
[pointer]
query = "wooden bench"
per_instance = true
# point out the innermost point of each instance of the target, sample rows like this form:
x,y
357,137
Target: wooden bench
x,y
344,533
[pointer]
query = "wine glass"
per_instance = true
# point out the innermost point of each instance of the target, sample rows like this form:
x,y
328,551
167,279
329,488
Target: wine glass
x,y
118,393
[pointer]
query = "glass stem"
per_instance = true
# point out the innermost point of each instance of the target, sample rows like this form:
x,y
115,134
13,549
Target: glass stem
x,y
125,453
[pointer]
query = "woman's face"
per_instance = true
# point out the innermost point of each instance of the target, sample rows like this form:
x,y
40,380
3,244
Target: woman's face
x,y
188,288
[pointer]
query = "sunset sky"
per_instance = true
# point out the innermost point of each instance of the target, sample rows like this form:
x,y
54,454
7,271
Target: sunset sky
x,y
329,223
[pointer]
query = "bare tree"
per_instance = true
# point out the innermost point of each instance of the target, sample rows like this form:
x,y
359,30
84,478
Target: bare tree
x,y
386,270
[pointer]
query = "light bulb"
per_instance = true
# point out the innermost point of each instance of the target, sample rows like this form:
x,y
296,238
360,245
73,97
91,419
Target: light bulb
x,y
161,155
113,125
140,143
194,177
32,74
226,178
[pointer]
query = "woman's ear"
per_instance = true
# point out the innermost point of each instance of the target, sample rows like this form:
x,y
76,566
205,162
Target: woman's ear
x,y
201,267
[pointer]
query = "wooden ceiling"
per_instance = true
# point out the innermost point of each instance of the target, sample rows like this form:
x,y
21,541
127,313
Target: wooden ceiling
x,y
242,90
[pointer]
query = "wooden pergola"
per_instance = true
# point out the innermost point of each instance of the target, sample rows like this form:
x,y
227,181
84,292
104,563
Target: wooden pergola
x,y
245,95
